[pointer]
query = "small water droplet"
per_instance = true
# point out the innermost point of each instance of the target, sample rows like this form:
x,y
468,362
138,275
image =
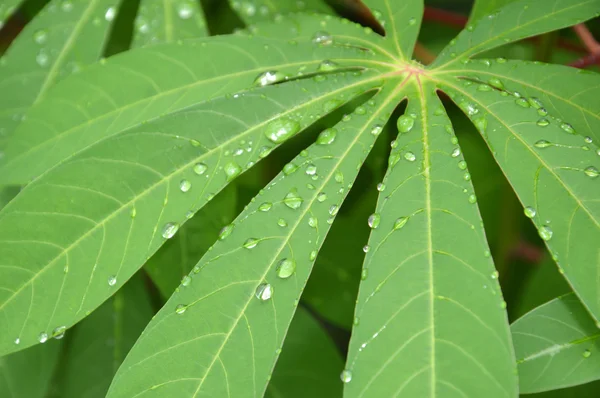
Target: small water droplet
x,y
568,128
40,36
110,14
467,176
588,140
545,232
535,103
180,309
405,123
529,212
327,66
503,305
543,122
333,210
59,332
282,223
311,169
264,292
377,129
42,58
339,177
170,229
497,83
522,102
43,337
186,280
410,156
266,206
17,341
185,10
591,172
326,136
455,153
232,170
543,144
587,354
313,255
462,165
225,231
366,248
364,274
323,38
112,280
293,200
286,268
381,187
266,78
472,198
481,124
469,108
346,376
400,222
289,168
374,220
322,197
313,222
282,129
185,185
251,243
484,87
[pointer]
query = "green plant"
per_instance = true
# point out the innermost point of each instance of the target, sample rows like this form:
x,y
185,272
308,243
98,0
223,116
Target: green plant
x,y
118,158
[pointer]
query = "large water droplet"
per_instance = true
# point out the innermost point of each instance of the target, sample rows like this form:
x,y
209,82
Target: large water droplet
x,y
169,230
185,185
250,243
232,170
522,102
381,187
282,129
225,231
545,232
322,197
591,172
455,153
180,309
267,78
323,38
543,144
472,198
59,332
289,168
409,156
200,168
535,103
374,220
43,337
326,136
265,206
112,280
366,248
462,165
327,66
399,223
568,128
286,268
377,129
405,123
529,212
293,200
346,376
264,291
587,354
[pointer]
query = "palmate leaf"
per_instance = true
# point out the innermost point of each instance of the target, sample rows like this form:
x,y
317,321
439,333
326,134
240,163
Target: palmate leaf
x,y
168,21
483,8
428,237
253,11
232,317
63,38
137,86
554,173
557,345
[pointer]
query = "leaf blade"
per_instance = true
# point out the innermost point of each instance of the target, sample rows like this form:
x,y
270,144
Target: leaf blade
x,y
254,11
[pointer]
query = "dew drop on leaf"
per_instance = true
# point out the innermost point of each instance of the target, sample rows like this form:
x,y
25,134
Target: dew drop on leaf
x,y
200,168
410,156
522,102
186,280
543,122
225,231
59,332
110,14
293,200
545,232
232,170
462,165
346,376
286,268
313,222
497,83
322,37
169,230
377,129
112,280
264,291
543,144
529,212
455,153
185,10
185,185
333,210
289,168
327,66
326,136
40,36
282,223
374,220
535,103
405,123
265,206
322,197
43,337
366,248
591,172
281,129
250,243
311,169
364,274
568,128
587,354
381,187
400,222
180,309
472,198
17,341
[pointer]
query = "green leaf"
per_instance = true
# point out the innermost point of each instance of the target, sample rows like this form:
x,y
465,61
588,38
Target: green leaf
x,y
7,8
557,345
27,373
227,325
552,174
168,21
100,343
178,255
108,209
137,86
61,39
483,8
253,11
429,317
514,22
401,22
309,364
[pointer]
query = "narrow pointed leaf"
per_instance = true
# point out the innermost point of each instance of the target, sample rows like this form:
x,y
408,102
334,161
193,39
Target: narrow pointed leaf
x,y
168,21
7,8
553,175
61,39
108,209
401,21
563,92
483,8
232,318
140,85
253,11
309,364
557,346
514,22
100,343
28,373
444,332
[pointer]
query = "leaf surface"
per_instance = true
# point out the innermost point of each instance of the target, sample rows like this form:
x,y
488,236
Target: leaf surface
x,y
253,11
429,318
227,325
167,21
7,8
108,209
557,346
100,342
140,85
309,364
516,21
554,176
61,39
483,8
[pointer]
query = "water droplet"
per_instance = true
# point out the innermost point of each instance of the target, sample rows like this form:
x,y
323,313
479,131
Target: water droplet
x,y
333,210
321,197
232,170
568,128
481,124
503,305
484,87
399,223
42,58
469,108
311,169
543,122
381,187
326,136
588,140
185,185
323,38
339,177
313,222
327,66
59,332
374,220
40,36
286,268
410,156
112,280
356,321
472,198
529,212
591,172
282,223
522,102
293,200
43,337
250,243
200,168
133,212
587,354
462,165
346,376
186,280
282,129
110,14
313,255
543,144
495,275
17,341
497,83
364,274
366,248
289,169
377,129
467,176
264,152
455,153
545,232
266,206
266,78
169,230
225,231
185,10
405,123
264,291
535,103
180,309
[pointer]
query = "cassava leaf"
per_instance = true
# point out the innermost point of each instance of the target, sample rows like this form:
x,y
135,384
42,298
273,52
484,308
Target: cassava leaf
x,y
253,11
100,343
483,8
444,333
27,374
7,8
140,85
232,317
557,345
60,40
309,363
514,22
168,21
62,256
554,176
